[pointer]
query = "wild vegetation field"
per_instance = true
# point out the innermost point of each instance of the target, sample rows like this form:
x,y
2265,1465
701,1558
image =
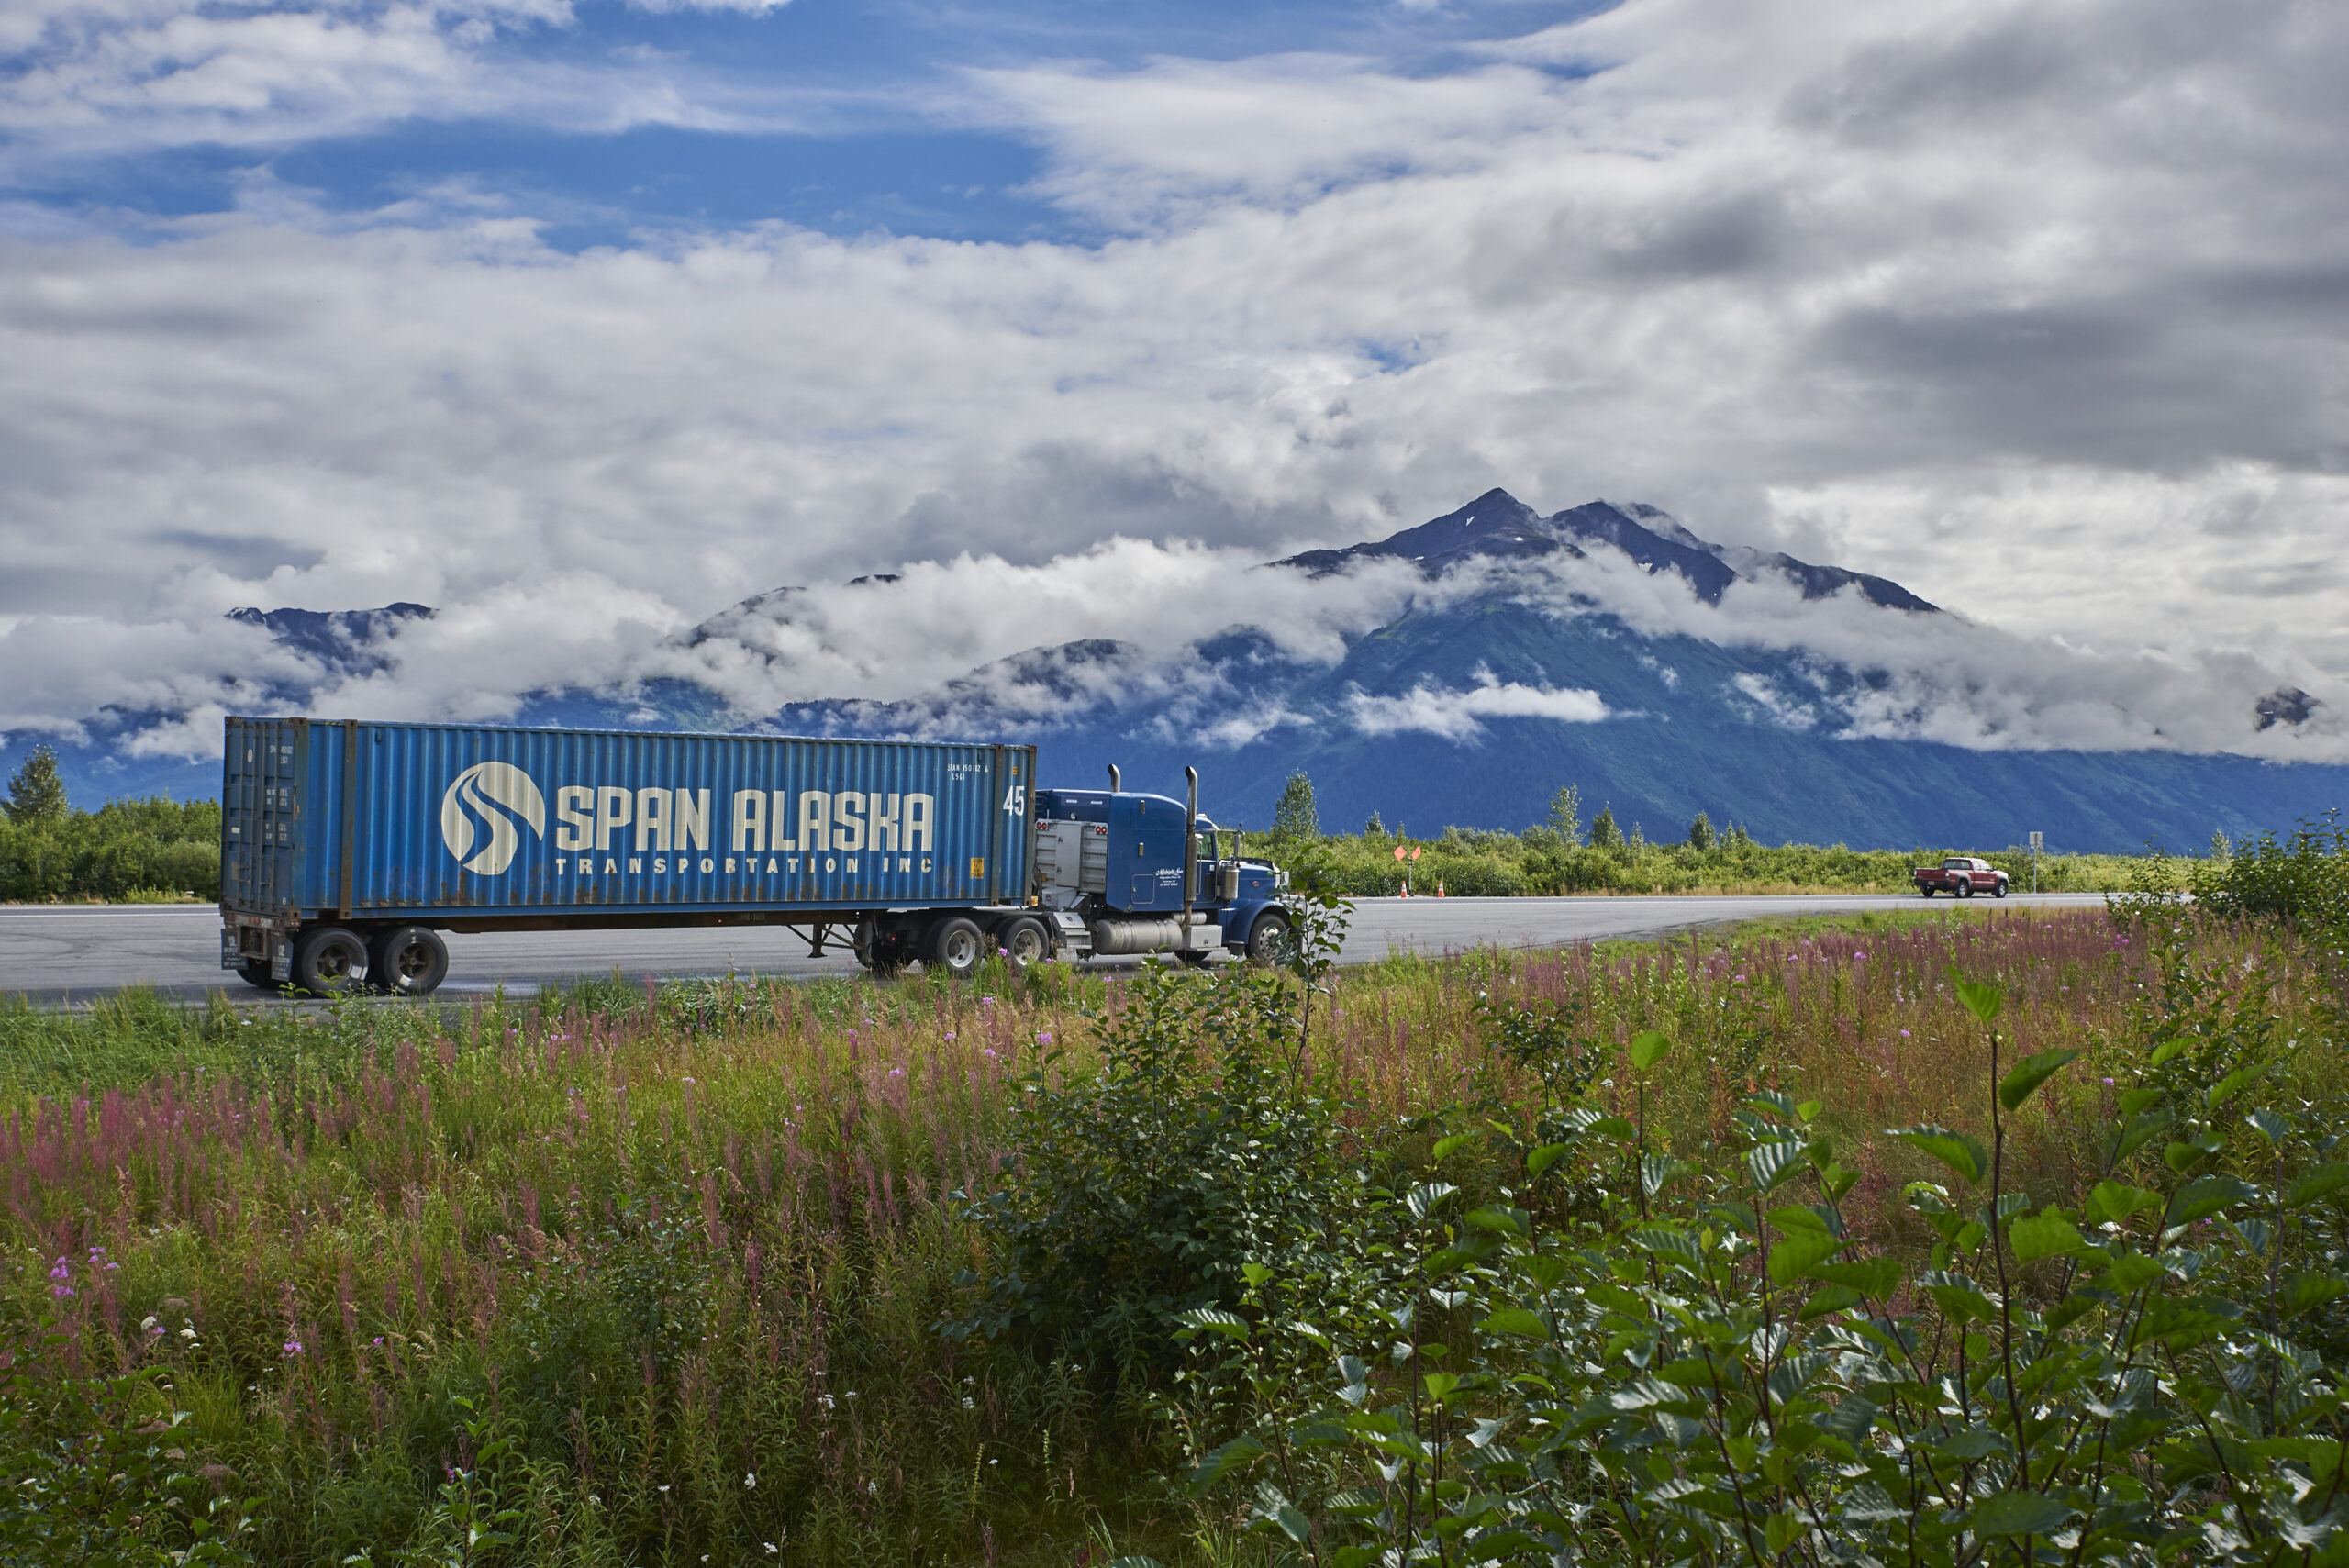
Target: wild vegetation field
x,y
1465,1259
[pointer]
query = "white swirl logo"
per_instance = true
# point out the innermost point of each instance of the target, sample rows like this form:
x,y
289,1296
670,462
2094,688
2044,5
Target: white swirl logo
x,y
494,794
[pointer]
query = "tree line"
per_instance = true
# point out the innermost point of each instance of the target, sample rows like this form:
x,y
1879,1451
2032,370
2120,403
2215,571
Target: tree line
x,y
1567,853
126,849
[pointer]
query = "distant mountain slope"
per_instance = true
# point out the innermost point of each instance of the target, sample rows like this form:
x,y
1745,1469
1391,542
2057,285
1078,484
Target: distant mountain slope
x,y
1528,662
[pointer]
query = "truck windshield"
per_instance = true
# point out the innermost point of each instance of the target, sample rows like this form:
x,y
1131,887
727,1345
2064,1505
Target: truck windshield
x,y
1957,865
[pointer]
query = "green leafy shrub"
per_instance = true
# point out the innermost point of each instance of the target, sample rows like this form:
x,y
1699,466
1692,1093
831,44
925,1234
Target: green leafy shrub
x,y
2305,876
1716,1369
166,845
1150,1188
96,1470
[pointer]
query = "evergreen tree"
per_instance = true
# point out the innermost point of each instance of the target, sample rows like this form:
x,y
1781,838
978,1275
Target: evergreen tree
x,y
37,794
1604,834
1295,816
1701,832
1373,828
1565,814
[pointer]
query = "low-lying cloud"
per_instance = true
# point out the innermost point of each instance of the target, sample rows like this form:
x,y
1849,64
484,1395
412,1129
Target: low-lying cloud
x,y
1456,715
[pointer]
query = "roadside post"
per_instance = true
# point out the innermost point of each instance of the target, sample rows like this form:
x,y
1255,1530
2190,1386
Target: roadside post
x,y
2036,839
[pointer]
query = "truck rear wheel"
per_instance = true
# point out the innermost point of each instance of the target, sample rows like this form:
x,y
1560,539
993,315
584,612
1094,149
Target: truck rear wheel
x,y
255,971
330,961
408,960
955,947
1024,943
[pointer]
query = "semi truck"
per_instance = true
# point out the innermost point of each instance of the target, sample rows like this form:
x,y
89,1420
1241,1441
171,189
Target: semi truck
x,y
350,848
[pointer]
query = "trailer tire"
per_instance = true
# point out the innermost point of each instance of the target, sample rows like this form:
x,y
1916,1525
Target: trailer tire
x,y
1268,938
408,960
888,954
955,947
1025,943
255,971
330,961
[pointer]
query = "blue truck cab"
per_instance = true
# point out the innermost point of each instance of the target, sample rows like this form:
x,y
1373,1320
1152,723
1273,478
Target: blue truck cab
x,y
1113,868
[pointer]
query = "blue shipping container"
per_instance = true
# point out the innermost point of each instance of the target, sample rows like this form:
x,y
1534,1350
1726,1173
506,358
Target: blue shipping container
x,y
482,827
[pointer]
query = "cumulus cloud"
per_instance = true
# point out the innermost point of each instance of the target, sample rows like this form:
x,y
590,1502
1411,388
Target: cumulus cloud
x,y
2036,309
1455,715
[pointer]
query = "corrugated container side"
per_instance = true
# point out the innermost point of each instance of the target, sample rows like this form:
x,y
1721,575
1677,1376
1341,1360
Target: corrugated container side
x,y
362,819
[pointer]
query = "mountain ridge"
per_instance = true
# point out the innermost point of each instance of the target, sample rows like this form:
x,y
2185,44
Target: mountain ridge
x,y
1473,702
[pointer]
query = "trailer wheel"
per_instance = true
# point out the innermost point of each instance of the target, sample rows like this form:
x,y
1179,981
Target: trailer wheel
x,y
1024,942
1268,938
955,947
330,961
255,971
408,960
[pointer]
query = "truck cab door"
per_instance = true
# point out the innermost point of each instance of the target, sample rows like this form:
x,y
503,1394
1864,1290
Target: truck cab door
x,y
1145,870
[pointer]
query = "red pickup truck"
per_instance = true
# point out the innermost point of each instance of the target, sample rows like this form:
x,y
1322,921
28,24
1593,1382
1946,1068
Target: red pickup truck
x,y
1961,876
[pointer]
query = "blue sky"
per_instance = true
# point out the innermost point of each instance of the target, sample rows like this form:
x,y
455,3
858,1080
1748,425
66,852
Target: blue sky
x,y
842,118
584,321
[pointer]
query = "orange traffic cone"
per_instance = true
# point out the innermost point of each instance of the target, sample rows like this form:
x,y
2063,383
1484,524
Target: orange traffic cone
x,y
1438,890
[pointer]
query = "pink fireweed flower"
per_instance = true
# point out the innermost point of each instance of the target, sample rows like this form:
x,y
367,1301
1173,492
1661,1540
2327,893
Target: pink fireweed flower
x,y
1904,1034
293,1347
1044,1037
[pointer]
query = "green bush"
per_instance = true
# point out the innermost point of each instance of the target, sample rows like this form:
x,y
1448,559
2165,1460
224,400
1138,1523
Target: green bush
x,y
98,1467
1710,1370
122,846
2305,876
1193,1160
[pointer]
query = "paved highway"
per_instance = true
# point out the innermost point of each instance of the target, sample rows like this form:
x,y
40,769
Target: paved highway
x,y
62,954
